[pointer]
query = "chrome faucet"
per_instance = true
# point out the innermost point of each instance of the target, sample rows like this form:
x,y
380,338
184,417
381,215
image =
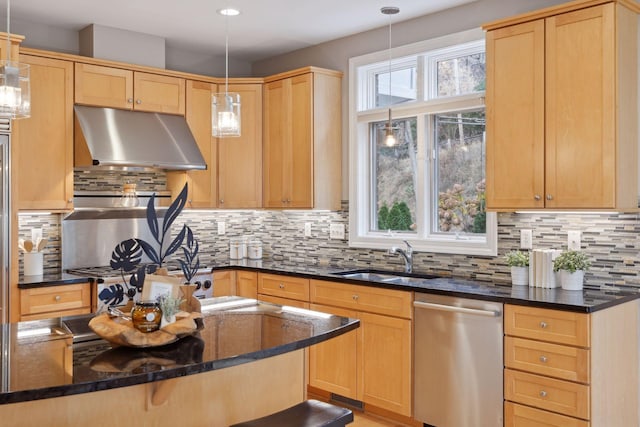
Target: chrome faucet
x,y
407,254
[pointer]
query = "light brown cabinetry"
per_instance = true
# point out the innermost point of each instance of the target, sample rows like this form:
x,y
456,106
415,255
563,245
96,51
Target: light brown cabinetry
x,y
233,178
103,86
40,362
379,351
562,108
44,142
55,301
302,140
558,367
224,283
284,290
247,284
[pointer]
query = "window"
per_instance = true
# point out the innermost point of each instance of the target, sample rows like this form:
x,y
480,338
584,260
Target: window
x,y
429,188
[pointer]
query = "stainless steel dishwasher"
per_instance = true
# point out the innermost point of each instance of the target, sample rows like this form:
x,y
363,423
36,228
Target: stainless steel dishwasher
x,y
457,361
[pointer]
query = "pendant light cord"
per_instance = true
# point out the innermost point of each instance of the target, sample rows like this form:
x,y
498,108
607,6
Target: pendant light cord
x,y
389,69
226,55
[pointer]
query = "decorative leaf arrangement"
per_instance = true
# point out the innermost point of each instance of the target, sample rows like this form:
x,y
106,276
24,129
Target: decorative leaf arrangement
x,y
127,255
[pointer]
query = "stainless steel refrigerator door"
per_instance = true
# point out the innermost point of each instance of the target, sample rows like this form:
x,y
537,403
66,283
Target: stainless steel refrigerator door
x,y
458,362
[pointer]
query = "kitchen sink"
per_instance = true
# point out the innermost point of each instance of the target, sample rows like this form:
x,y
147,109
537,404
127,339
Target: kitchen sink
x,y
385,276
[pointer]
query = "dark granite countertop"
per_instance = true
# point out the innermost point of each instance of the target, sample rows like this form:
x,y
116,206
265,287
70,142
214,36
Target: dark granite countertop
x,y
588,300
50,279
236,331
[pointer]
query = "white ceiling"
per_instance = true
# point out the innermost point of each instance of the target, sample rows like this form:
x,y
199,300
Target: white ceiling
x,y
264,28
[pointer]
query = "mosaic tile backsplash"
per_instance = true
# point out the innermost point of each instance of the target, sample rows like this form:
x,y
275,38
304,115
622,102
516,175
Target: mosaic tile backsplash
x,y
610,240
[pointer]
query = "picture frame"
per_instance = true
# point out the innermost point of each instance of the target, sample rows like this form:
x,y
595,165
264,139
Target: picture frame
x,y
156,285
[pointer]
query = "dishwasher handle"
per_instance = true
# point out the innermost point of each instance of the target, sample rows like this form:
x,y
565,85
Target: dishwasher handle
x,y
456,309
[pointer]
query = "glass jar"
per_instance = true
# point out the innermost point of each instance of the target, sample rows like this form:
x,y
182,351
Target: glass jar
x,y
237,248
129,197
254,249
146,316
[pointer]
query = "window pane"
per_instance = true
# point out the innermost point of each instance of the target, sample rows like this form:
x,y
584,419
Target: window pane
x,y
459,171
395,177
403,87
458,76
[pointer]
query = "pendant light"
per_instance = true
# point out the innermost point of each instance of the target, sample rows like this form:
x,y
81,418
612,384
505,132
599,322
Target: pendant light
x,y
15,95
225,106
390,139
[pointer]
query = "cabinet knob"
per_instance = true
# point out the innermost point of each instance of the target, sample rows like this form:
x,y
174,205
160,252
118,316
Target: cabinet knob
x,y
537,197
281,286
355,297
130,100
543,324
57,298
549,197
222,201
70,201
543,393
138,101
543,359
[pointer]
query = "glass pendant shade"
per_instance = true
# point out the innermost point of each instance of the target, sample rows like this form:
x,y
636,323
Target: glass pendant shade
x,y
225,114
390,139
15,95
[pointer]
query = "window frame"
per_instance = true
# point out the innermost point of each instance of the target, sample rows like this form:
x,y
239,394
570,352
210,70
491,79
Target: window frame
x,y
360,148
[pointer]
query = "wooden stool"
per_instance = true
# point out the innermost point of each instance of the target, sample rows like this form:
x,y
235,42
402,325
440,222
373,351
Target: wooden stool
x,y
310,413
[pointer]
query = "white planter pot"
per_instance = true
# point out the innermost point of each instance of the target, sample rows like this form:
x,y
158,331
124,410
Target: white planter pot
x,y
572,281
520,276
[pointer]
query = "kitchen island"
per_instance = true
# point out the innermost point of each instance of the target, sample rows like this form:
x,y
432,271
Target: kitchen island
x,y
247,361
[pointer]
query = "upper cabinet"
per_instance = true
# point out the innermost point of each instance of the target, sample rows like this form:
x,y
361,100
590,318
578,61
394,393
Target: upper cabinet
x,y
43,146
120,88
240,158
233,178
562,109
302,140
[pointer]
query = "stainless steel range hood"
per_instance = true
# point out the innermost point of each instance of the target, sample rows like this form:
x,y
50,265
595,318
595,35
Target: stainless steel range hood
x,y
138,139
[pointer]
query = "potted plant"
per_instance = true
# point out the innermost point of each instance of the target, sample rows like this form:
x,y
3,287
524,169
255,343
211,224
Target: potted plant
x,y
571,265
519,263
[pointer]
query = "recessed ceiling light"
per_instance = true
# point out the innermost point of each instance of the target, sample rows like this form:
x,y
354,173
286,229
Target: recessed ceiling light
x,y
229,12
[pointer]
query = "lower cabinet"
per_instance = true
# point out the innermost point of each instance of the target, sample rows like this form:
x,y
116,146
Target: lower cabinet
x,y
55,301
247,284
283,290
29,369
224,283
373,363
571,369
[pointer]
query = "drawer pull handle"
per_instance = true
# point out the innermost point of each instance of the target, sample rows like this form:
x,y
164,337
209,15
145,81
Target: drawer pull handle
x,y
543,324
57,298
543,393
543,359
281,286
355,297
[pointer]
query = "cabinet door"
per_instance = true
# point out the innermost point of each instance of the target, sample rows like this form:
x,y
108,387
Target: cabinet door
x,y
581,103
276,139
515,116
103,86
55,301
224,283
247,284
240,159
44,142
202,183
160,94
46,363
384,351
332,364
299,167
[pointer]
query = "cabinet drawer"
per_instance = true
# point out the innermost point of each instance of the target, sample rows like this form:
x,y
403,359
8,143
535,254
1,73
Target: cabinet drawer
x,y
55,299
284,286
554,360
363,298
283,301
562,327
523,416
564,397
